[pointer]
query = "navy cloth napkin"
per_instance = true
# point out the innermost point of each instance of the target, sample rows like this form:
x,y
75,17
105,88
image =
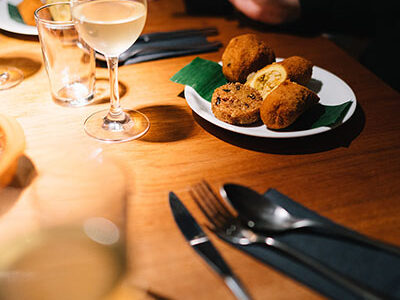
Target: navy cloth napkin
x,y
374,268
167,54
182,46
172,48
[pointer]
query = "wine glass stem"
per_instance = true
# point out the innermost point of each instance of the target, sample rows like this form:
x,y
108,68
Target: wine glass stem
x,y
115,113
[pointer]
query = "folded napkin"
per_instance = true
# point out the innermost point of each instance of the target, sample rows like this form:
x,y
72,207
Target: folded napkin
x,y
178,47
374,268
164,48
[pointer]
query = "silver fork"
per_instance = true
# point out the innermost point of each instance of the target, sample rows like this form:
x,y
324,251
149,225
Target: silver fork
x,y
229,227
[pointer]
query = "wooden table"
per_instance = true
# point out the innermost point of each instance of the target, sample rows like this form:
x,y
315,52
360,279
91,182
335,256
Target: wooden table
x,y
350,174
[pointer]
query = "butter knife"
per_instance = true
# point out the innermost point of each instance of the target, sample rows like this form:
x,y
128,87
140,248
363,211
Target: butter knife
x,y
157,36
203,246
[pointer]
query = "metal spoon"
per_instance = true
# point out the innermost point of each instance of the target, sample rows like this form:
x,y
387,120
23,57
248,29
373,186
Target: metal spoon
x,y
262,215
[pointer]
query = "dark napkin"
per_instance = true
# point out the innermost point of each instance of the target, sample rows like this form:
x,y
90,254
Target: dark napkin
x,y
167,54
167,48
184,46
374,268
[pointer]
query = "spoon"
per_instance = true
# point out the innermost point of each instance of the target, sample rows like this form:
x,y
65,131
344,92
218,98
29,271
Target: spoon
x,y
260,214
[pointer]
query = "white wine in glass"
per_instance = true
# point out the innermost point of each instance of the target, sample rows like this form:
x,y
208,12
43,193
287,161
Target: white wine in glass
x,y
9,77
111,27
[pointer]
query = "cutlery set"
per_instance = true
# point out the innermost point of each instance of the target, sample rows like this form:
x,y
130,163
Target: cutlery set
x,y
265,216
256,220
167,44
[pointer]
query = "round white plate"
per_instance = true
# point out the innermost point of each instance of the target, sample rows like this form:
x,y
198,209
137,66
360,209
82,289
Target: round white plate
x,y
334,91
8,24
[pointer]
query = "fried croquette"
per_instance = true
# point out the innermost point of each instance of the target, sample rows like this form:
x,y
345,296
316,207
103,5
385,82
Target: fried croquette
x,y
298,69
245,54
27,8
295,68
285,104
236,103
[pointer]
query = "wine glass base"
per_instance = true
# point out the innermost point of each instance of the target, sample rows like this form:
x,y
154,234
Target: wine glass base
x,y
134,126
10,77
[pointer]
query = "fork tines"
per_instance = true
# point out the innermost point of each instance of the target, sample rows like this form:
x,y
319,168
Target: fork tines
x,y
210,204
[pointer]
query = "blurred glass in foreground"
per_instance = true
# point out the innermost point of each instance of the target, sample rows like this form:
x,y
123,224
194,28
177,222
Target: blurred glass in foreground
x,y
77,251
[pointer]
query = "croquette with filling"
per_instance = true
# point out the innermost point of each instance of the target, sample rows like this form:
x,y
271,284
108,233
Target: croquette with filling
x,y
245,54
236,103
295,68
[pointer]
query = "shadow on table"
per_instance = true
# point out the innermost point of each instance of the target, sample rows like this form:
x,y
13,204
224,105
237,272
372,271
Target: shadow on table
x,y
24,37
341,136
168,123
9,195
23,61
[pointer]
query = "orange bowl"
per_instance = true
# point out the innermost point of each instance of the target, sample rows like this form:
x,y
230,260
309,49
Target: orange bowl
x,y
12,146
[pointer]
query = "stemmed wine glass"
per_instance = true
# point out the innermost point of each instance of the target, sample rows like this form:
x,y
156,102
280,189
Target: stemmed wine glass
x,y
9,77
111,27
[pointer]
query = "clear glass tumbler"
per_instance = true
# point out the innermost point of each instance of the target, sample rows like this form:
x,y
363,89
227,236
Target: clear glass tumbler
x,y
70,62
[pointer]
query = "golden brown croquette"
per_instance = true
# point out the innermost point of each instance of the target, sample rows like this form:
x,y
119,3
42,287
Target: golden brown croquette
x,y
245,54
285,104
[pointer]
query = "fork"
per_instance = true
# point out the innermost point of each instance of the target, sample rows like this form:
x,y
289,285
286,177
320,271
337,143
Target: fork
x,y
229,227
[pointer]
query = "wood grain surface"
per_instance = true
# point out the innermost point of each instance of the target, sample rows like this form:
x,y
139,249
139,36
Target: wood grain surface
x,y
350,174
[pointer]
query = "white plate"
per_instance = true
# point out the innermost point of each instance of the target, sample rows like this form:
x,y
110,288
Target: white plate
x,y
334,91
8,24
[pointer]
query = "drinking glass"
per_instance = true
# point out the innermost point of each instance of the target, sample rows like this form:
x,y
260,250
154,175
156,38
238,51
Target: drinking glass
x,y
69,62
111,27
74,246
9,77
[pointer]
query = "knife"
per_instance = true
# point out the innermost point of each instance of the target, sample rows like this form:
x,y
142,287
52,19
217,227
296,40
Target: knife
x,y
203,246
157,36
